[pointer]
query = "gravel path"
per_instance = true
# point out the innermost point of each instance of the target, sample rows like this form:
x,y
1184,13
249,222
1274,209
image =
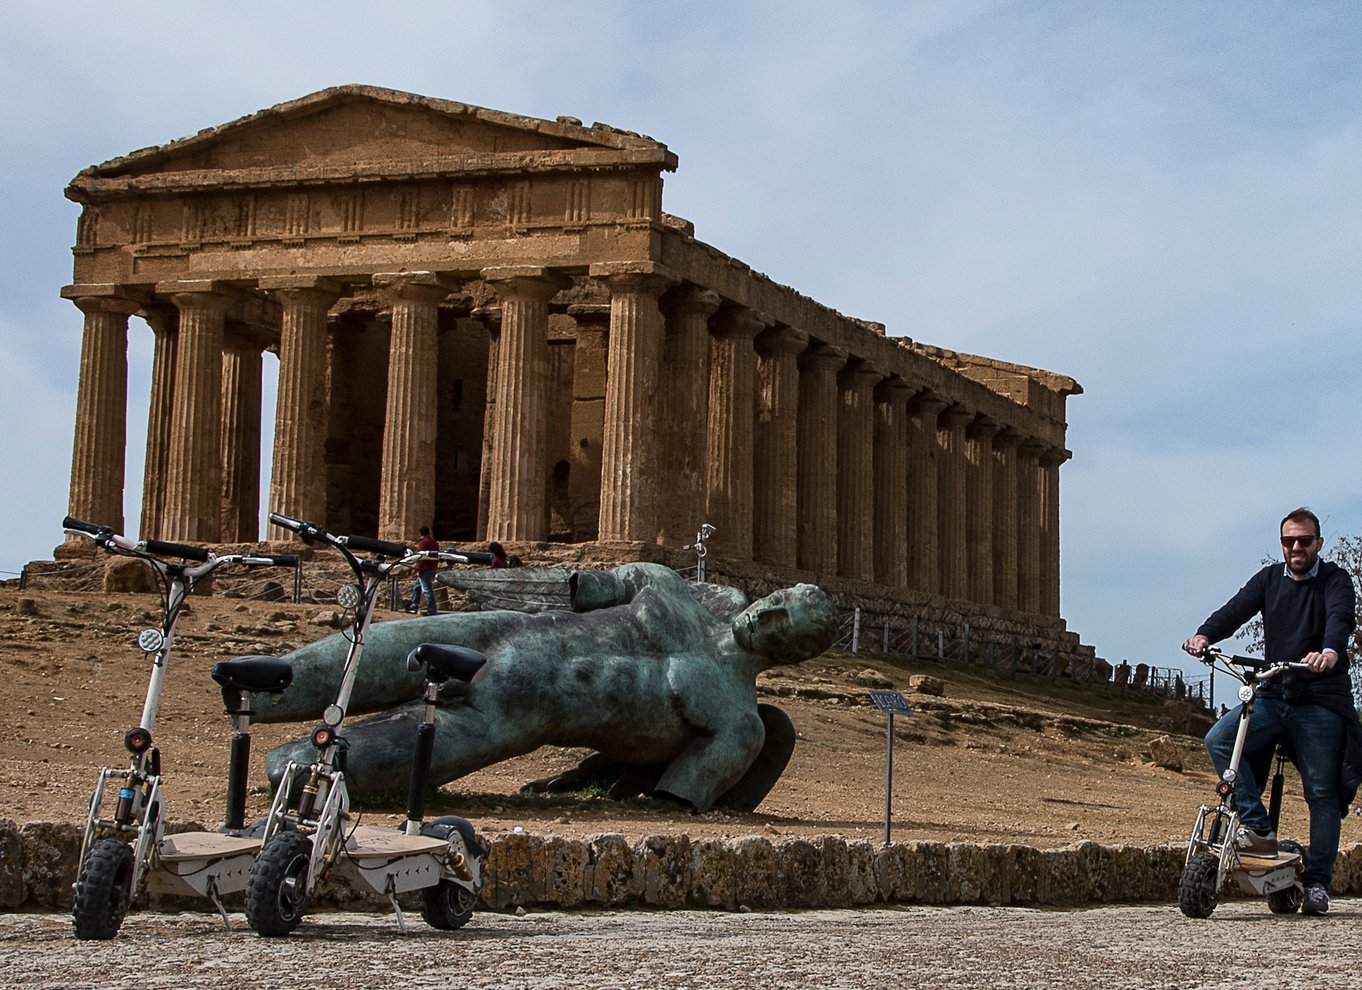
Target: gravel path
x,y
959,948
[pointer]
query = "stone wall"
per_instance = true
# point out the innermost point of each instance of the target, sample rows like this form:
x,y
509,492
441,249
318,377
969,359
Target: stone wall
x,y
38,868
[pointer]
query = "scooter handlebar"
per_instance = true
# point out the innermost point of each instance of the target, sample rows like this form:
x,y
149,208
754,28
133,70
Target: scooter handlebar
x,y
466,556
80,526
383,548
269,560
181,550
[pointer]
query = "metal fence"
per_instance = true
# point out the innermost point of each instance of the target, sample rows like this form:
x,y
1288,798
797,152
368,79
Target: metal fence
x,y
862,631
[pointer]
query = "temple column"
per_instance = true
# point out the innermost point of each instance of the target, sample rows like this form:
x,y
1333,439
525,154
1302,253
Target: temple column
x,y
817,466
684,421
891,482
240,501
950,508
979,507
590,363
516,507
732,409
490,318
406,500
100,446
856,472
194,466
298,469
775,511
1049,465
1028,525
629,459
923,545
165,327
1005,518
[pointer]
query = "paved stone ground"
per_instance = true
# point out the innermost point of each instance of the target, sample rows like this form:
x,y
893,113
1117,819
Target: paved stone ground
x,y
1112,948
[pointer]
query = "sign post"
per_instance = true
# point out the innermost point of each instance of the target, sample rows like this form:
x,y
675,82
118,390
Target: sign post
x,y
891,703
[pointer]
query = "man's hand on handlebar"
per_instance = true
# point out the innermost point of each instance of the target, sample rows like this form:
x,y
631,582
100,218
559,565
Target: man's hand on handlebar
x,y
1320,661
1196,645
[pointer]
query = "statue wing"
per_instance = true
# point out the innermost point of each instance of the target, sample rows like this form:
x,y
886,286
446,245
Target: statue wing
x,y
520,589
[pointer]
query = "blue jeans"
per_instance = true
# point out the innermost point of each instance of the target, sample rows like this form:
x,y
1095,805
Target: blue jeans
x,y
1318,737
425,582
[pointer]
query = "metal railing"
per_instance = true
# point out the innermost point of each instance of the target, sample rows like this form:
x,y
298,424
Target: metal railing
x,y
963,644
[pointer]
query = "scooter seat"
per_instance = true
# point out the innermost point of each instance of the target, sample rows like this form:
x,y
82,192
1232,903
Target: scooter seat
x,y
444,662
254,674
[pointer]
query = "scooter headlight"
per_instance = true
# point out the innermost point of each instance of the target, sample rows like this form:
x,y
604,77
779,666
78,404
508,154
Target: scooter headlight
x,y
323,736
137,741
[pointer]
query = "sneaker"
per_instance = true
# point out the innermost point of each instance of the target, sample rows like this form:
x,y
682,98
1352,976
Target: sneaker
x,y
1316,900
1256,843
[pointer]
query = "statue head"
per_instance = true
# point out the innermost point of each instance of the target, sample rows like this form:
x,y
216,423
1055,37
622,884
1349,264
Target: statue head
x,y
791,625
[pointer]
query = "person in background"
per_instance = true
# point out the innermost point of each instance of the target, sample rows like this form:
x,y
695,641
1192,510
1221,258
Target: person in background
x,y
425,575
498,553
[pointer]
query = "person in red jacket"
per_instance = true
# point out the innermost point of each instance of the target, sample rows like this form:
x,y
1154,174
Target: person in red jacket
x,y
425,575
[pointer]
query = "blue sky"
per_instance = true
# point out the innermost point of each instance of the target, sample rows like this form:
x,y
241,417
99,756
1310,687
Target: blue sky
x,y
1160,200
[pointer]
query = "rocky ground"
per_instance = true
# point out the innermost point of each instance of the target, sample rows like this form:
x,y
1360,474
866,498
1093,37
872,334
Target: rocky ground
x,y
994,758
1108,948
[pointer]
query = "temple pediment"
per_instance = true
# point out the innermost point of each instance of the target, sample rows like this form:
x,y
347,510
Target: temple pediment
x,y
368,133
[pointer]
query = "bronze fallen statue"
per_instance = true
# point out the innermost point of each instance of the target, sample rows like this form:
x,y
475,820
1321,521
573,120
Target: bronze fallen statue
x,y
659,685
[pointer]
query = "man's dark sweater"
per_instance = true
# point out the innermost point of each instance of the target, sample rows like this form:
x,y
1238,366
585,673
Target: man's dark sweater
x,y
1299,617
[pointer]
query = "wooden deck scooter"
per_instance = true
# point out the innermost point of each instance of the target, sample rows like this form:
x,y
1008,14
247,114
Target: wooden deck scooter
x,y
1213,859
126,850
308,832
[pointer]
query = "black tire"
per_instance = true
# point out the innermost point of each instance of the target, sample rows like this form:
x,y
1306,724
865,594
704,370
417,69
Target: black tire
x,y
1197,890
103,890
275,902
447,905
1289,901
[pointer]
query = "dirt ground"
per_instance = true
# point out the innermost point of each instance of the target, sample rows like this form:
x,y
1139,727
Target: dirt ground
x,y
996,758
1145,947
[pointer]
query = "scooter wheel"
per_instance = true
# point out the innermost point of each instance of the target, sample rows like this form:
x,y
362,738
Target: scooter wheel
x,y
447,905
1197,889
103,890
1289,901
275,901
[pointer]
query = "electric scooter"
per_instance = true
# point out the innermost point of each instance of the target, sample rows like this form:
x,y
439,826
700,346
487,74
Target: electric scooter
x,y
1213,860
127,850
309,832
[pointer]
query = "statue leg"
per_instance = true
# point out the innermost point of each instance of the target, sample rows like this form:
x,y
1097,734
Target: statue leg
x,y
711,764
770,763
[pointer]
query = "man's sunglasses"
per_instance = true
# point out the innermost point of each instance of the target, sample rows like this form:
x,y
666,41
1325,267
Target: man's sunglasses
x,y
1298,541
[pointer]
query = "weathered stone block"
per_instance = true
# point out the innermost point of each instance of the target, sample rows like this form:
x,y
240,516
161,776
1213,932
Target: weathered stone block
x,y
1163,752
758,872
862,876
664,864
801,867
836,871
1026,879
714,879
12,890
128,574
514,872
933,872
51,861
565,868
610,876
896,868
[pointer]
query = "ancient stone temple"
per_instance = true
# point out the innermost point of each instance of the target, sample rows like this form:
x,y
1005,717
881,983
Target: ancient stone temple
x,y
489,323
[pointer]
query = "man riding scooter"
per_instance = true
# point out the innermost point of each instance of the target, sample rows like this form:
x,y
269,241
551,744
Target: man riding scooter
x,y
1309,613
